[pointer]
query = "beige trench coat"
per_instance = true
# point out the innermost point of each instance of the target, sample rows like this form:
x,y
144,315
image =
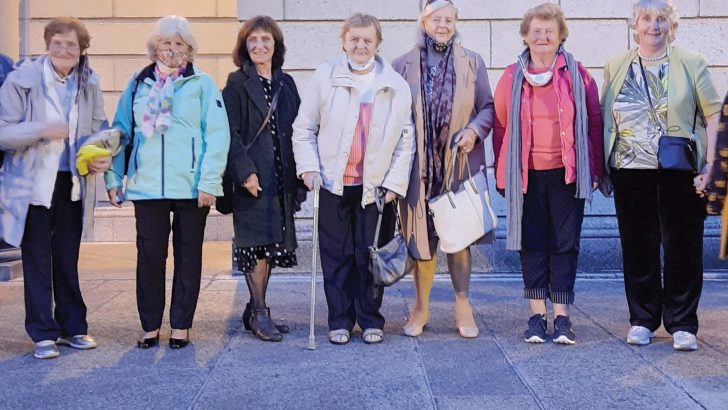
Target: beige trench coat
x,y
472,108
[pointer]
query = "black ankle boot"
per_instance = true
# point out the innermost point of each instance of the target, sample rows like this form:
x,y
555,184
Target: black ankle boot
x,y
248,312
264,327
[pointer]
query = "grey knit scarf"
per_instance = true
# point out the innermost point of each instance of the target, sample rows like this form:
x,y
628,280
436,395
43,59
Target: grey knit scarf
x,y
514,179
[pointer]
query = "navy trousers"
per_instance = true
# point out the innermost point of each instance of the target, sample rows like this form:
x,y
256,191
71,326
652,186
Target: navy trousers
x,y
50,249
659,208
551,229
346,230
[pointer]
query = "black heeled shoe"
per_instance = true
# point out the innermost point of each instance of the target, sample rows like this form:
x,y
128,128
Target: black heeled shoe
x,y
263,326
148,342
179,343
248,312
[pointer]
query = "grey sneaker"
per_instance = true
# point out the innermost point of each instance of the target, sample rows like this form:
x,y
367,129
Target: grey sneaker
x,y
639,335
83,342
563,334
684,341
46,349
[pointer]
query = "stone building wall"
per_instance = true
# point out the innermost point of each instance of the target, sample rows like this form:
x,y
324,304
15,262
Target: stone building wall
x,y
311,27
119,29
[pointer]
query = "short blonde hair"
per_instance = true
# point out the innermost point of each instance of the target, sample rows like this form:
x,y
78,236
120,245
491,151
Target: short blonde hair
x,y
546,11
362,20
168,27
663,7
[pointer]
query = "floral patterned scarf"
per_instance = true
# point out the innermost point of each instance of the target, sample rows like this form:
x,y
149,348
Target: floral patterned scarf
x,y
158,111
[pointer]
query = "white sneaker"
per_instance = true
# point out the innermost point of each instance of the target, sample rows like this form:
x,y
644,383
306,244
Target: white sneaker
x,y
639,335
46,349
685,341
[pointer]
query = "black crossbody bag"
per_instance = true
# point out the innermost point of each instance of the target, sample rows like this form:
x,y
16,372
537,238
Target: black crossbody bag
x,y
674,153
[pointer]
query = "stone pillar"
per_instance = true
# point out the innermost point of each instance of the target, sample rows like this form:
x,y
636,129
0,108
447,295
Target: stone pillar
x,y
10,28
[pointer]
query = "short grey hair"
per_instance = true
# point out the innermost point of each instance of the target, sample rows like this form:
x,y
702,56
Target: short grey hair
x,y
429,7
168,27
663,7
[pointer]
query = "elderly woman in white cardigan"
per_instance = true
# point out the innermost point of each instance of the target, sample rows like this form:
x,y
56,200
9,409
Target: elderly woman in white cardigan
x,y
353,133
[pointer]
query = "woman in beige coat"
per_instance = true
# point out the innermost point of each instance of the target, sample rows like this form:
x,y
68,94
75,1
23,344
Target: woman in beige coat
x,y
452,104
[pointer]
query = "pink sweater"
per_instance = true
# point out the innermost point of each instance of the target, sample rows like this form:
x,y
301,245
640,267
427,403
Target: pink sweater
x,y
566,113
545,138
354,170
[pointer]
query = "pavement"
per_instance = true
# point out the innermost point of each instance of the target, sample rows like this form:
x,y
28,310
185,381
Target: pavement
x,y
227,367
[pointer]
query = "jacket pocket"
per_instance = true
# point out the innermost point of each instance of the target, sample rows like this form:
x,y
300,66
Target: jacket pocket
x,y
194,156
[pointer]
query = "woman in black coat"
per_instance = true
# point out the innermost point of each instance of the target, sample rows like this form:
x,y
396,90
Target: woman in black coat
x,y
261,165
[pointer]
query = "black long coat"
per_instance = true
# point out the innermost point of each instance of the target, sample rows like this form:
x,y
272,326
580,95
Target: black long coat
x,y
257,221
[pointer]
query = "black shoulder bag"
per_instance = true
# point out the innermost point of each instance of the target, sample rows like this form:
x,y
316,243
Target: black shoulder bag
x,y
224,203
674,153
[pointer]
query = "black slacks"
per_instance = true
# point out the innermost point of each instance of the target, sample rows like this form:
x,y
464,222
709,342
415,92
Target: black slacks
x,y
660,208
188,229
551,230
50,249
346,230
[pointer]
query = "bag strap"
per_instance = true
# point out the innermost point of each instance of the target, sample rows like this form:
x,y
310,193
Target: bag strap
x,y
130,147
271,109
652,107
450,167
379,195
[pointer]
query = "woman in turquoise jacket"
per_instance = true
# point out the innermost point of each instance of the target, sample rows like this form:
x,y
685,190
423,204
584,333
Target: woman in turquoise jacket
x,y
173,117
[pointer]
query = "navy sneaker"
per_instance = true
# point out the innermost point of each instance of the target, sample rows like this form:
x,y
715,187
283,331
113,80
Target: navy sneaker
x,y
536,332
562,331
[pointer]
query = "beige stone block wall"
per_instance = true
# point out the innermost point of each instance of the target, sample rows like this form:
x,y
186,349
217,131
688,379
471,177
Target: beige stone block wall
x,y
311,27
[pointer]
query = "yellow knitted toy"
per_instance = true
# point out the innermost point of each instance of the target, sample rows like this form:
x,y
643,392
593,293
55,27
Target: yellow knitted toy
x,y
88,154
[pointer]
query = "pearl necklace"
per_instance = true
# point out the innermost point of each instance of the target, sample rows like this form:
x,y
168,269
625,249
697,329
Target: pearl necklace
x,y
652,58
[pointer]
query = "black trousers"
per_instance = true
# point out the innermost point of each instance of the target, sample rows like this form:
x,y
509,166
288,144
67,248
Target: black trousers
x,y
551,230
346,230
660,208
50,249
188,229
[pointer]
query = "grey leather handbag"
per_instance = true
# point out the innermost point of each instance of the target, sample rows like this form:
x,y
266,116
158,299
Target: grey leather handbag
x,y
391,262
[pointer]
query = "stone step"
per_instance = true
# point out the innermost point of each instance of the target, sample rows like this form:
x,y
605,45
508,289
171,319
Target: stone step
x,y
10,265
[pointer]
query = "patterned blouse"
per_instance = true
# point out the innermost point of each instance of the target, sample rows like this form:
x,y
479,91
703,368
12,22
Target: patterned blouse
x,y
638,133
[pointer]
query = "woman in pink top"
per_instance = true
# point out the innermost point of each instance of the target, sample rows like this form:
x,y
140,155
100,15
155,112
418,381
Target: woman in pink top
x,y
549,158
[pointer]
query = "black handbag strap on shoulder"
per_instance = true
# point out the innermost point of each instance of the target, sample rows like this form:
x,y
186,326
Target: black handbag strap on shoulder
x,y
129,149
652,107
271,109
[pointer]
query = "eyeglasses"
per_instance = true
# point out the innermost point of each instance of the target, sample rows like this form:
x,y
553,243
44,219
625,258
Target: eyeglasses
x,y
59,45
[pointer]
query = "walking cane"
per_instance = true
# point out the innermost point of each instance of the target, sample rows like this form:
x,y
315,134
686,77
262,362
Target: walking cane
x,y
314,260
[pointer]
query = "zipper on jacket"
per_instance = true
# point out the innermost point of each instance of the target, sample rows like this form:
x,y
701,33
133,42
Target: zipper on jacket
x,y
162,165
194,157
136,161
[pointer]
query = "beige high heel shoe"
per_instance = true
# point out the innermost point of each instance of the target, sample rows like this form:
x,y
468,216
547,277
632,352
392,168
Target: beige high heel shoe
x,y
415,329
467,331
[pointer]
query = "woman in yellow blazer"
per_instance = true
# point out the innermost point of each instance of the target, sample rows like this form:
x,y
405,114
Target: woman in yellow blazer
x,y
659,207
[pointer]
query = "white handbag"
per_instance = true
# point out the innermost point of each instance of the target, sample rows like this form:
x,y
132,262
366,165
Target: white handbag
x,y
463,216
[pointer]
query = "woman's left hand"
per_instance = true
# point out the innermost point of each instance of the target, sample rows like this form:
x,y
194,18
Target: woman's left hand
x,y
100,165
204,199
467,140
700,182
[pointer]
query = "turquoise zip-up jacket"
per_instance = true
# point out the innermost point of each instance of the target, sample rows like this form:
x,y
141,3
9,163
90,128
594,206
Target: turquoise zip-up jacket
x,y
190,156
